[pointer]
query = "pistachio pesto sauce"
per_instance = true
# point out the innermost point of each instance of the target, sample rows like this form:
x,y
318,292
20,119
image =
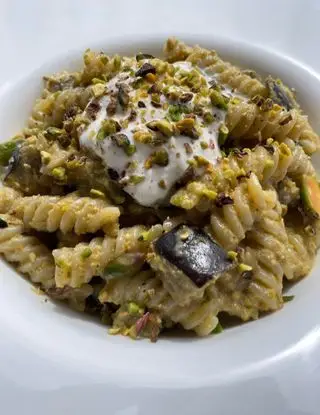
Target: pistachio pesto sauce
x,y
150,128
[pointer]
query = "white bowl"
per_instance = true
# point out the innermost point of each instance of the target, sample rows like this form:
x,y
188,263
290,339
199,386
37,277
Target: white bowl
x,y
66,356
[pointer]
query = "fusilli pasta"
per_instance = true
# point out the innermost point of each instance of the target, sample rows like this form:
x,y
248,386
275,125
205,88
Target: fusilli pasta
x,y
162,192
27,252
247,120
69,213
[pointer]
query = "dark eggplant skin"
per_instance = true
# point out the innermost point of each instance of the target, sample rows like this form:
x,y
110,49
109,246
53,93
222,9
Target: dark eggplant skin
x,y
280,94
194,253
13,162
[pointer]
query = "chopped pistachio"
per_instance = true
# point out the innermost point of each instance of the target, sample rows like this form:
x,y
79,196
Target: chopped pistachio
x,y
218,329
192,162
137,83
163,126
159,157
287,298
151,77
136,179
223,134
108,127
53,131
235,100
175,111
97,81
142,136
187,126
208,117
210,194
204,145
232,255
97,193
121,140
155,100
6,152
86,253
134,309
117,62
142,56
98,90
218,100
114,330
116,269
244,267
59,173
201,161
45,157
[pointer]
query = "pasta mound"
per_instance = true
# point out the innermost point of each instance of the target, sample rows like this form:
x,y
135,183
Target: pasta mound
x,y
68,221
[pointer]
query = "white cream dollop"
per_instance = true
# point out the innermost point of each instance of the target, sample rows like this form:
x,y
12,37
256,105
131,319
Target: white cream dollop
x,y
181,149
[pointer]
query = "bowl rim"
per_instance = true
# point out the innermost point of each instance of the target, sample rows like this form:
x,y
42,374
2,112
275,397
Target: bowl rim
x,y
166,352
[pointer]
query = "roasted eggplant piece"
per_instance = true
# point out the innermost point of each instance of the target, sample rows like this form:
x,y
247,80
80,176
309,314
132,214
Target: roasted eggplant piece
x,y
281,94
23,172
187,260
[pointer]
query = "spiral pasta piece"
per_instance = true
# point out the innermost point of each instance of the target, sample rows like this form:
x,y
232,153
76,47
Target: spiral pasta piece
x,y
147,290
270,163
230,222
246,120
50,110
301,252
76,266
69,213
7,198
223,71
99,65
31,257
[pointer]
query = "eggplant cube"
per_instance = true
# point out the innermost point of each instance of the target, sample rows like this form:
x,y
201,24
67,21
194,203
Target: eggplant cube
x,y
281,94
188,260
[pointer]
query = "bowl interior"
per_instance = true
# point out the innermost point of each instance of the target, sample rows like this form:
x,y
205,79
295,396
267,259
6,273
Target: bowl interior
x,y
75,340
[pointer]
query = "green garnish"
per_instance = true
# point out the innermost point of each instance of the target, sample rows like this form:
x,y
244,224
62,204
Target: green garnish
x,y
97,193
59,173
218,100
108,127
115,269
208,117
218,329
134,309
204,145
244,267
136,179
86,253
160,157
175,112
223,134
6,151
287,298
121,140
162,126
